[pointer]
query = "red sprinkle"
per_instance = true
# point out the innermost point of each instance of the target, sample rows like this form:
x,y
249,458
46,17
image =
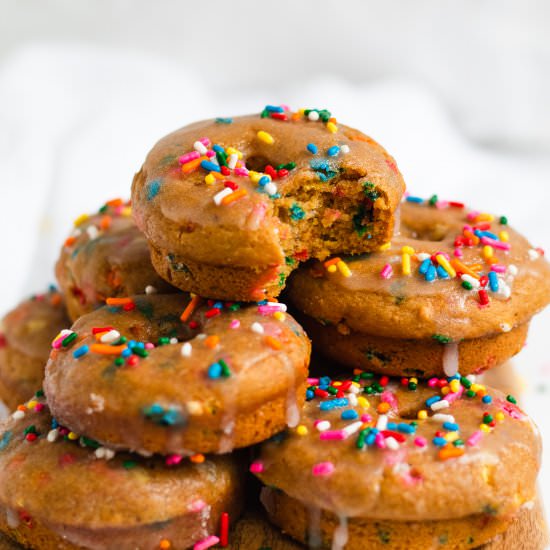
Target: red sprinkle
x,y
129,307
483,297
279,116
132,361
283,172
225,170
193,324
31,437
230,184
483,280
384,381
456,204
320,393
97,330
224,530
214,312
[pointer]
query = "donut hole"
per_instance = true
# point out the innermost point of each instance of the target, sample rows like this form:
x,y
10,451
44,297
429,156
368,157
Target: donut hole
x,y
257,163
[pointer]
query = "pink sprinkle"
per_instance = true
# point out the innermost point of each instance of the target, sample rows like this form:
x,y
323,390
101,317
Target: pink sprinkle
x,y
208,542
451,397
257,467
468,228
39,407
366,418
197,505
56,344
205,141
379,441
240,172
496,244
235,323
333,434
268,310
498,268
458,253
173,460
149,345
313,381
420,441
440,205
387,271
389,398
432,382
473,215
475,438
322,469
188,157
210,154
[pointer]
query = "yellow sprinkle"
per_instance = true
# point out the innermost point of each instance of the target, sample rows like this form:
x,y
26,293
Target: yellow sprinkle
x,y
32,404
422,415
331,268
265,137
485,428
233,151
477,387
444,263
331,127
337,383
301,430
484,217
343,268
385,246
452,436
503,236
363,402
445,390
301,111
406,262
408,250
209,179
72,436
488,251
455,385
356,384
279,315
485,474
81,219
126,211
499,416
413,380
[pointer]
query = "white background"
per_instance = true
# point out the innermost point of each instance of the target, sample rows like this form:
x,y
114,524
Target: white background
x,y
458,92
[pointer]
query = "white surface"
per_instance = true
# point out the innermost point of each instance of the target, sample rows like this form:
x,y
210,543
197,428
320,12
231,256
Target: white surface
x,y
80,105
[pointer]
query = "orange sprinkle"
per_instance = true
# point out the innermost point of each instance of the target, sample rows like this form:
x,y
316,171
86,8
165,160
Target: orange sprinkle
x,y
450,451
273,343
21,408
459,266
190,308
118,301
218,175
70,241
330,262
211,341
55,299
197,459
165,544
295,116
191,166
235,196
105,222
470,235
383,407
115,202
476,267
105,349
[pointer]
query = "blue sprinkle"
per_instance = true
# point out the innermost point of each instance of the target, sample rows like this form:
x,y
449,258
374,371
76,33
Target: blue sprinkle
x,y
333,151
218,148
423,269
218,305
139,345
451,426
442,273
431,274
79,352
210,166
334,404
214,370
274,109
405,428
126,352
493,281
296,212
55,424
478,233
432,400
454,377
488,234
224,120
369,440
439,441
309,395
325,380
312,148
131,343
319,164
4,440
350,414
392,426
153,188
155,408
263,181
172,418
418,200
487,399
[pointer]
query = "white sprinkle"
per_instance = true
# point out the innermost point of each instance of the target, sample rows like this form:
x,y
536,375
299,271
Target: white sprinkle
x,y
92,231
173,341
97,403
513,269
391,444
53,435
200,336
194,408
186,349
76,233
439,405
110,337
232,161
323,426
18,415
382,422
472,378
279,306
344,149
313,115
150,289
270,188
472,280
352,428
421,256
354,389
218,197
352,398
505,327
533,254
200,148
256,327
103,452
440,417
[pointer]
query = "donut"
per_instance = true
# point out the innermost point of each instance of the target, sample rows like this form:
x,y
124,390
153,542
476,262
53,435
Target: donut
x,y
454,291
25,343
136,376
231,206
378,462
59,491
105,256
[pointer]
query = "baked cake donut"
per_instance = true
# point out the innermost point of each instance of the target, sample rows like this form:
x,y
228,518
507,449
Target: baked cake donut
x,y
25,343
231,206
105,256
377,463
455,290
142,375
59,491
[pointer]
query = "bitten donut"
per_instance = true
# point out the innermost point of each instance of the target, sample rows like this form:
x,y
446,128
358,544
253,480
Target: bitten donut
x,y
378,463
105,256
455,290
231,206
137,376
58,491
25,343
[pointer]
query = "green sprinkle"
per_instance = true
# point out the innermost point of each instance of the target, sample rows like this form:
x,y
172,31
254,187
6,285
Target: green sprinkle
x,y
68,340
129,464
511,399
221,158
163,340
265,113
39,393
140,351
369,190
412,386
487,419
467,285
89,442
289,260
465,382
367,375
433,200
503,220
458,443
30,429
470,393
442,339
226,371
119,361
120,341
360,443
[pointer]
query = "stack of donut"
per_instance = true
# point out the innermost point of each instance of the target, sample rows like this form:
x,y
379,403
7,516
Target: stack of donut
x,y
136,427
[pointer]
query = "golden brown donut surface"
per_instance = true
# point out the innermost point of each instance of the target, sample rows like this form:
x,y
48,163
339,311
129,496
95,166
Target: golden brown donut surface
x,y
402,450
25,343
105,256
138,377
235,229
60,493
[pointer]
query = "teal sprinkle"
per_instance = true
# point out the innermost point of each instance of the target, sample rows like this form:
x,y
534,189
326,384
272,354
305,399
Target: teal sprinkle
x,y
153,188
224,120
297,213
4,440
369,190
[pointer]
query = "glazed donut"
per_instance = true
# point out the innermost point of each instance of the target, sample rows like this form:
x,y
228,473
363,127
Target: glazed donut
x,y
388,317
231,206
25,343
385,463
105,256
58,491
135,376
